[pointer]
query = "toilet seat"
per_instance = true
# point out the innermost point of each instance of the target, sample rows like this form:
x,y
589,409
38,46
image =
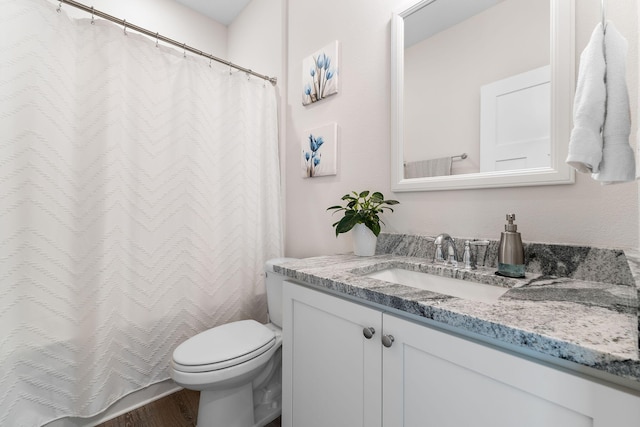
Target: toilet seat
x,y
223,347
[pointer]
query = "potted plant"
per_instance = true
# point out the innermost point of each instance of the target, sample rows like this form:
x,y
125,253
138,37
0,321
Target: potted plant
x,y
361,214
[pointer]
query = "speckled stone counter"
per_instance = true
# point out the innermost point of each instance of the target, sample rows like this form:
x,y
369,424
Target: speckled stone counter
x,y
575,304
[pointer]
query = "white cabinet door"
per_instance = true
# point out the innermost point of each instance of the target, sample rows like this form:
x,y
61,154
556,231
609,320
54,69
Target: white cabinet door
x,y
435,379
331,371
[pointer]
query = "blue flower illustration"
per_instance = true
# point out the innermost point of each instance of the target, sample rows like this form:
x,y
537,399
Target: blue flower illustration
x,y
321,73
312,158
327,62
315,143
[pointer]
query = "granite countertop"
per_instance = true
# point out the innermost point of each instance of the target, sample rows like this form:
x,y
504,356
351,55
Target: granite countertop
x,y
579,316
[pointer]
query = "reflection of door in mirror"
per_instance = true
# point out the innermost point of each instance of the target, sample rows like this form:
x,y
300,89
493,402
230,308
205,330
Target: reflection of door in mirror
x,y
444,73
515,122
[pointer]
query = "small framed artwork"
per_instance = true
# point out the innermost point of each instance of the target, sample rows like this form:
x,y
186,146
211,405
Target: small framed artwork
x,y
319,151
320,74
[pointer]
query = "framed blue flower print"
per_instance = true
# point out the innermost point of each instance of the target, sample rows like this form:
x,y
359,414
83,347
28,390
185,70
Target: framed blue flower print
x,y
320,74
319,151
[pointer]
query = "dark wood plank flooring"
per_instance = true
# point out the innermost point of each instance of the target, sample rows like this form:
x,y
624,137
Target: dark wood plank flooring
x,y
176,410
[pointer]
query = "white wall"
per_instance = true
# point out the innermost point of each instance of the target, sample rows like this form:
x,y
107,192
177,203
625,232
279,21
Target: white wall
x,y
361,109
167,17
256,40
584,213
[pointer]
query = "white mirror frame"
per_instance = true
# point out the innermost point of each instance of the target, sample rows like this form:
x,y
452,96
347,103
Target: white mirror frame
x,y
562,91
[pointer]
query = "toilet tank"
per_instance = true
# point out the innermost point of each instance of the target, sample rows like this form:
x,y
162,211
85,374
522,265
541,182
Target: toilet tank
x,y
274,290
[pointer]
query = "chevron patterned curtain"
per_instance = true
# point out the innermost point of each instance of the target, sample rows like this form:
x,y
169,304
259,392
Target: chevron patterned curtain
x,y
139,200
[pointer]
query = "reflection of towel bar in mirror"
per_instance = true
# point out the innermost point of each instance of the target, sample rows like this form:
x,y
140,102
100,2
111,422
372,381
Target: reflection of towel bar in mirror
x,y
431,167
459,156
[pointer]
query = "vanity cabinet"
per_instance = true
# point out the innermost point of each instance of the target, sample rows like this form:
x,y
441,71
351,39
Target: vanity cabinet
x,y
348,364
331,371
432,378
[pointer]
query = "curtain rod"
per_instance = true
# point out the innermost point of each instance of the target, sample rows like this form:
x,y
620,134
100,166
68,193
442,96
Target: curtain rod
x,y
157,36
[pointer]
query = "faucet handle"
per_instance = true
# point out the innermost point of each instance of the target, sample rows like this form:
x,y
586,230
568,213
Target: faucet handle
x,y
478,244
439,257
466,258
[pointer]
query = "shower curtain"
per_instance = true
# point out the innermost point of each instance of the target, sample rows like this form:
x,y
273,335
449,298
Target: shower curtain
x,y
139,199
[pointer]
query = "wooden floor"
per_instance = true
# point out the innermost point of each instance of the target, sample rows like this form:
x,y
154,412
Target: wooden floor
x,y
176,410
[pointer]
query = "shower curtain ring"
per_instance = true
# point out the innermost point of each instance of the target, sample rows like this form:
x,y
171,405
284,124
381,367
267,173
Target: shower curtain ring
x,y
59,7
124,24
184,50
93,19
157,34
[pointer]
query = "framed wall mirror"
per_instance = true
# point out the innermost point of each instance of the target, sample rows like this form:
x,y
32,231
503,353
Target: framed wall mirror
x,y
482,94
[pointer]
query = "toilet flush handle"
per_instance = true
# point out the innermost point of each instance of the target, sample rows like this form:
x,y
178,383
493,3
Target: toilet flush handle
x,y
368,332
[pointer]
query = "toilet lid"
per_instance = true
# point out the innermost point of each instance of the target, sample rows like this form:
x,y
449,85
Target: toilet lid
x,y
223,346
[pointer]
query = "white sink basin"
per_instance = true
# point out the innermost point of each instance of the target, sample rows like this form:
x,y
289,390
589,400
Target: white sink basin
x,y
442,285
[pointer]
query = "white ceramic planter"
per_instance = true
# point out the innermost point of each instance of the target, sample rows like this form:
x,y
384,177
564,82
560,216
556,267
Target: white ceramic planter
x,y
364,241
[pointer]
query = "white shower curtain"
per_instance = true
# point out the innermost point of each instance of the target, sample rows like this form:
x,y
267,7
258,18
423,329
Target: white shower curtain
x,y
139,199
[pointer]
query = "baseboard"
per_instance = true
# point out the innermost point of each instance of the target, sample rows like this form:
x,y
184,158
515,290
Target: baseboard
x,y
128,403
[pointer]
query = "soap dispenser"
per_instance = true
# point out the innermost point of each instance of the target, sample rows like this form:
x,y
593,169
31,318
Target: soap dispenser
x,y
511,251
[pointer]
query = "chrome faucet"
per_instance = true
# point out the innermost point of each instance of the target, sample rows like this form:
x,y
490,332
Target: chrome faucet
x,y
452,252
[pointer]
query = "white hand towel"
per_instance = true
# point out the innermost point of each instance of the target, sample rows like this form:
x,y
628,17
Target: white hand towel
x,y
618,162
585,144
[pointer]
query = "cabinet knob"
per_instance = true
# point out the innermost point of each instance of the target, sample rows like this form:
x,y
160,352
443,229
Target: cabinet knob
x,y
387,340
368,332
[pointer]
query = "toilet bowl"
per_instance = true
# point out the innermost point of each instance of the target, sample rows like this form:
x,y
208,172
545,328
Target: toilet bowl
x,y
236,366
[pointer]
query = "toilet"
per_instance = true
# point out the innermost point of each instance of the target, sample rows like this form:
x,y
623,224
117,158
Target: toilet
x,y
237,366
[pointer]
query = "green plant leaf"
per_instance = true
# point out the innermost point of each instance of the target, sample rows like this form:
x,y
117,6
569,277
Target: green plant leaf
x,y
346,224
375,227
362,208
